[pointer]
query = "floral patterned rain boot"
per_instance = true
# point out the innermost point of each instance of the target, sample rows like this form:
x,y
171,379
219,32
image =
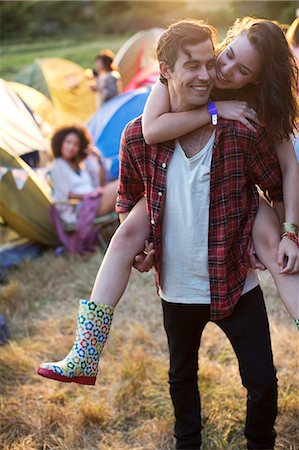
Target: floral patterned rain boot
x,y
81,364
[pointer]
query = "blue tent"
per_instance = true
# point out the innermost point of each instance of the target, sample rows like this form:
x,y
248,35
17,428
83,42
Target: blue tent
x,y
107,124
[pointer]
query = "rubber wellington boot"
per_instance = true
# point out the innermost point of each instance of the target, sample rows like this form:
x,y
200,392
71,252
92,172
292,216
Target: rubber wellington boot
x,y
81,364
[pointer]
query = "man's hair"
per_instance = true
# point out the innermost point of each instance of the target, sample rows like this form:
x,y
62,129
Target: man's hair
x,y
179,35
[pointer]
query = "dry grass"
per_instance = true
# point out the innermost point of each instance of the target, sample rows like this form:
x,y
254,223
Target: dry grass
x,y
129,408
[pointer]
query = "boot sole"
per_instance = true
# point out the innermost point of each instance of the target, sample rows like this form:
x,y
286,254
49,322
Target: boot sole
x,y
55,376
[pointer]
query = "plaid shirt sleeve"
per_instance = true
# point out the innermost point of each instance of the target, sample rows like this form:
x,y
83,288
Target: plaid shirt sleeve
x,y
264,166
130,185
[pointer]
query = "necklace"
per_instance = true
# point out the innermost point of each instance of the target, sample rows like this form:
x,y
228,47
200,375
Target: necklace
x,y
192,143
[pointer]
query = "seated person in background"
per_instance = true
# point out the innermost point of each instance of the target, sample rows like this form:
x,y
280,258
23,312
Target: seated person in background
x,y
108,82
77,176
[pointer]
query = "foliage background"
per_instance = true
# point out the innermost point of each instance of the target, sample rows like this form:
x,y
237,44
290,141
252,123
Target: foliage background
x,y
78,30
35,18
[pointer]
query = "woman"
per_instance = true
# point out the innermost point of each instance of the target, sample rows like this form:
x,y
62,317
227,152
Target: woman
x,y
80,366
108,83
256,65
78,182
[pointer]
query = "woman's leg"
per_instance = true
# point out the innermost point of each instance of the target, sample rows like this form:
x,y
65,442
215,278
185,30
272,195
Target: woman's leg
x,y
266,238
95,315
108,198
127,242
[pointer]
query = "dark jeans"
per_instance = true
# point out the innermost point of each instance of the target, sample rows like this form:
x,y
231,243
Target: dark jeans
x,y
248,331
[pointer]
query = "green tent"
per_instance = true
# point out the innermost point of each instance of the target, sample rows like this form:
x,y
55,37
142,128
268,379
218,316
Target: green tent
x,y
32,75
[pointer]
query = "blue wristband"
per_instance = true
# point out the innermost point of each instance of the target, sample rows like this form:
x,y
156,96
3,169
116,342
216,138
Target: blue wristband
x,y
212,109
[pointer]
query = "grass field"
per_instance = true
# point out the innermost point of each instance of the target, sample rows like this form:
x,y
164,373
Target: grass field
x,y
129,408
16,55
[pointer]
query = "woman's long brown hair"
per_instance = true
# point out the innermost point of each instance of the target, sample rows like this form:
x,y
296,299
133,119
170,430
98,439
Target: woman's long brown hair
x,y
275,95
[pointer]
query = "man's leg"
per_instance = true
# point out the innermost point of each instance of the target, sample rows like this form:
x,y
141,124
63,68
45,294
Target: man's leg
x,y
248,331
184,325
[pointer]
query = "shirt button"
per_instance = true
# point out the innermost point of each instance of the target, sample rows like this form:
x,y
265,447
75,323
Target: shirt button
x,y
163,165
152,222
160,194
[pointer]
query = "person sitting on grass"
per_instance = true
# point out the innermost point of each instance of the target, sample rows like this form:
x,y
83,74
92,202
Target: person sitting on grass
x,y
80,191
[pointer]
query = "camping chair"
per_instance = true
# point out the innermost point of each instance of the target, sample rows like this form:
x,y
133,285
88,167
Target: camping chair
x,y
104,226
81,225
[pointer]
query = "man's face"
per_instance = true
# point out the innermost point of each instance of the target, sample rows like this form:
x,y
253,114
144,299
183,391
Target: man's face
x,y
192,79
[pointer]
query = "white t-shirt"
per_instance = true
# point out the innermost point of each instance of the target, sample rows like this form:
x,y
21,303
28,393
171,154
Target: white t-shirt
x,y
64,180
185,276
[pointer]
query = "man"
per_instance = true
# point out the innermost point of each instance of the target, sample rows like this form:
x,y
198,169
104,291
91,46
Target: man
x,y
203,187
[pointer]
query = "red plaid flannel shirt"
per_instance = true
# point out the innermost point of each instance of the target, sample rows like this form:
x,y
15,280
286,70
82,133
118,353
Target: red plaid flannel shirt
x,y
241,159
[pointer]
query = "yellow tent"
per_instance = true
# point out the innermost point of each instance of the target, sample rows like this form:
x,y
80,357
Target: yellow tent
x,y
25,200
65,84
19,132
39,104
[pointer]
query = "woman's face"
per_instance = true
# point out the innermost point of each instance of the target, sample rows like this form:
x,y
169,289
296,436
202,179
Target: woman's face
x,y
70,146
238,65
100,67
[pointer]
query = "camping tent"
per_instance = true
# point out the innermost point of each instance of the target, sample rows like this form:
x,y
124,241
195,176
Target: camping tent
x,y
19,132
65,84
107,124
40,105
24,200
145,77
20,209
137,53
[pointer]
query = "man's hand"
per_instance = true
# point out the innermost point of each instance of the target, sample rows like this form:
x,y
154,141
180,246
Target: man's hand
x,y
253,260
288,256
145,260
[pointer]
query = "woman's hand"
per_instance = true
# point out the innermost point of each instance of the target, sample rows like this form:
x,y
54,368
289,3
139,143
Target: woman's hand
x,y
93,151
288,256
237,110
97,192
